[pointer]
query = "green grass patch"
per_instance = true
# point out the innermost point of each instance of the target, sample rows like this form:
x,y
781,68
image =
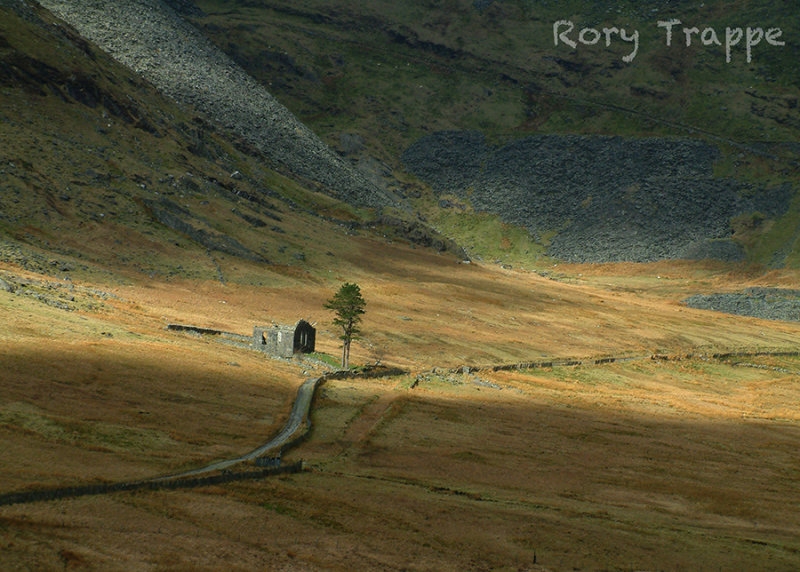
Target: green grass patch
x,y
486,236
280,508
328,359
780,243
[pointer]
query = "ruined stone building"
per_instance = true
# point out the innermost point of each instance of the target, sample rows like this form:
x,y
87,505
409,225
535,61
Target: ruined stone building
x,y
285,341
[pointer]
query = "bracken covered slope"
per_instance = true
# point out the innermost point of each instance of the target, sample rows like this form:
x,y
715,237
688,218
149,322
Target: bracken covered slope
x,y
100,169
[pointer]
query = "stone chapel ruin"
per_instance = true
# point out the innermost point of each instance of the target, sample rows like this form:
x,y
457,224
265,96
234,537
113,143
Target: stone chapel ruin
x,y
285,341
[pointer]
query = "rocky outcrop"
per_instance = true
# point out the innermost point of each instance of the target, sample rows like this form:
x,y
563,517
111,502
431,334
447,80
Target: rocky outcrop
x,y
758,302
7,286
596,198
183,222
149,37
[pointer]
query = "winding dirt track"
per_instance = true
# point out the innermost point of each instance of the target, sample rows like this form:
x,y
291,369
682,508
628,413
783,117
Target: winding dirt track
x,y
297,418
302,404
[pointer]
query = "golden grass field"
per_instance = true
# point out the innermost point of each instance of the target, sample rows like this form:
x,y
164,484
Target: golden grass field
x,y
640,465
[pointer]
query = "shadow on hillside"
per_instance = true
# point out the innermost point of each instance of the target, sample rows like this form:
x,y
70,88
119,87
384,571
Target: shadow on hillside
x,y
121,411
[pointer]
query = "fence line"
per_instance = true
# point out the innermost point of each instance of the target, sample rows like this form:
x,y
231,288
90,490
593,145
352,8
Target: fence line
x,y
567,362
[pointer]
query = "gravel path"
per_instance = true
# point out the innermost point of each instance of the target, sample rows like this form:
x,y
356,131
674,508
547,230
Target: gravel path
x,y
299,415
297,418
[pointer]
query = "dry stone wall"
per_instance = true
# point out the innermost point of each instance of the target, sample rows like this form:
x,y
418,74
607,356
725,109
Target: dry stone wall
x,y
39,495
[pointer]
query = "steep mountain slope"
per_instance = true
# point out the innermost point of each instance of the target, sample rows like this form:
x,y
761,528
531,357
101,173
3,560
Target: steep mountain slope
x,y
409,68
389,74
148,37
99,171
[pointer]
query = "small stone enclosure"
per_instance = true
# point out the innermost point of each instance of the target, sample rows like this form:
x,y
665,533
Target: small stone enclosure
x,y
285,341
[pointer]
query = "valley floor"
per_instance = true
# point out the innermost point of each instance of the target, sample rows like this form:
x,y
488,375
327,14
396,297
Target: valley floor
x,y
645,464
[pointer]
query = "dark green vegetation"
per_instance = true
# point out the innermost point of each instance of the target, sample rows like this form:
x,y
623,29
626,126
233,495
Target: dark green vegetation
x,y
93,155
373,78
349,306
404,69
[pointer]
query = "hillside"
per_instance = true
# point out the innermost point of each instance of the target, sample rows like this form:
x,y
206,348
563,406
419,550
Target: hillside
x,y
394,75
102,171
153,41
601,199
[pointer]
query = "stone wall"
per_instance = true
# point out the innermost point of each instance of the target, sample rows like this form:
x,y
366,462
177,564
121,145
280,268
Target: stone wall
x,y
106,488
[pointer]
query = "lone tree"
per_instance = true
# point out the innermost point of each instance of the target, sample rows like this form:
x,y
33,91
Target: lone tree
x,y
348,305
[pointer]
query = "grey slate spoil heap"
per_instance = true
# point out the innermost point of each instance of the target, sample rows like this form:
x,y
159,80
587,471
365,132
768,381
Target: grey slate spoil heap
x,y
151,39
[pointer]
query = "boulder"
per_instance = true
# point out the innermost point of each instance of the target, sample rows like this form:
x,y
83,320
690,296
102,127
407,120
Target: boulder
x,y
7,286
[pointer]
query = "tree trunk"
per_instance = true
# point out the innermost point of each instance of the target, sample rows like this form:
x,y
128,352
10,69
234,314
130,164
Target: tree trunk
x,y
344,355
